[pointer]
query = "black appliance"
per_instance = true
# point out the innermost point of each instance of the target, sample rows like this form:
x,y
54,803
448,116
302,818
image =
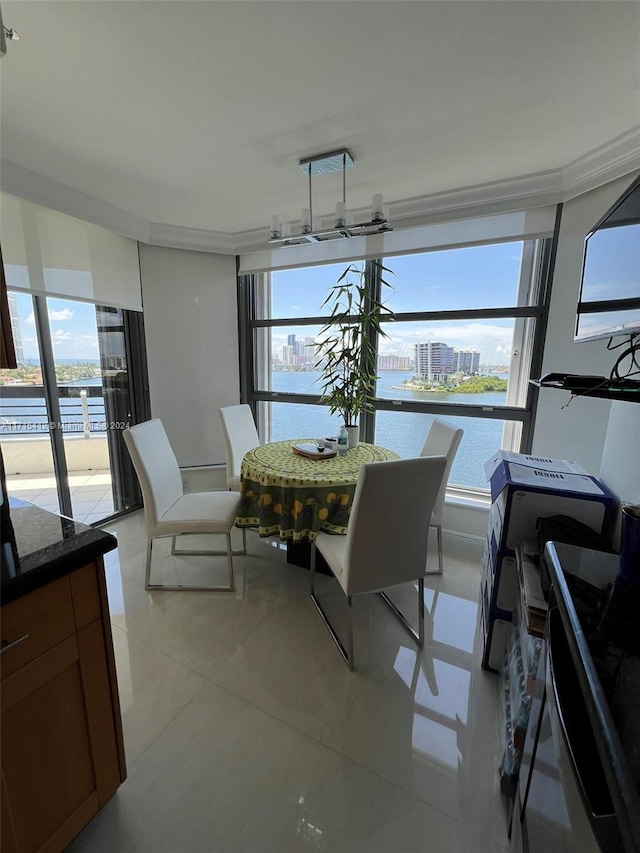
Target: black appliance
x,y
609,303
580,774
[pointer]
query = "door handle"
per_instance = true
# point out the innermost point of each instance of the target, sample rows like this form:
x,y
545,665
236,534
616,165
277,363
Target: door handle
x,y
7,646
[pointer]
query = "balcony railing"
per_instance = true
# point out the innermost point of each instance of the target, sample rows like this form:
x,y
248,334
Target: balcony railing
x,y
23,411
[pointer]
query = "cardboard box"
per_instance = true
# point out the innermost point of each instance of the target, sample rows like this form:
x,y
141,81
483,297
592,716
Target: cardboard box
x,y
542,463
505,586
496,627
522,492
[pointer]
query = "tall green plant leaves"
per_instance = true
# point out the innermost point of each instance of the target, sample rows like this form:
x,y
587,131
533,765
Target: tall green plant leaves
x,y
348,353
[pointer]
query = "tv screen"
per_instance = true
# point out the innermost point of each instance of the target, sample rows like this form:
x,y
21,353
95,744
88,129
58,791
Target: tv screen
x,y
609,303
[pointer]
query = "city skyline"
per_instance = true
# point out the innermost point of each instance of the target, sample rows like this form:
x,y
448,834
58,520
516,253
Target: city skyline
x,y
453,279
303,353
472,277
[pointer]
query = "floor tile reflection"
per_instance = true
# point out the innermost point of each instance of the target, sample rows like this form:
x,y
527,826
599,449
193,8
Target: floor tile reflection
x,y
245,731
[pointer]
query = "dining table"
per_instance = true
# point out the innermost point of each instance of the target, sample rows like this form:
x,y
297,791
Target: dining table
x,y
294,497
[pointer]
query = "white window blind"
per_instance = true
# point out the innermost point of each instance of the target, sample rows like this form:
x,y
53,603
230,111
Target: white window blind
x,y
49,253
527,224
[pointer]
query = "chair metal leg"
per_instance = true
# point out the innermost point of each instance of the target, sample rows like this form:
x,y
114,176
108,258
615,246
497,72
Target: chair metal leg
x,y
347,656
419,636
228,552
312,570
147,572
438,530
186,553
349,633
232,585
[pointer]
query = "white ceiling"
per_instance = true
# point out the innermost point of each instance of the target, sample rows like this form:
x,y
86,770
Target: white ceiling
x,y
194,115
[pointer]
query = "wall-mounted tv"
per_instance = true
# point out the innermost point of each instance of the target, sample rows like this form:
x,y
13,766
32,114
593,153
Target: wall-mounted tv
x,y
609,304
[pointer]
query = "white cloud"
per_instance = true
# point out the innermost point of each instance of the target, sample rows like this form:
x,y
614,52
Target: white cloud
x,y
60,335
62,314
492,342
31,319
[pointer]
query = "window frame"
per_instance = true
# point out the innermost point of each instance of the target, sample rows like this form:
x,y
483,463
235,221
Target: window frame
x,y
536,273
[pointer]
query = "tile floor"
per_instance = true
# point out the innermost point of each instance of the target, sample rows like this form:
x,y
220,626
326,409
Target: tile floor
x,y
91,496
245,732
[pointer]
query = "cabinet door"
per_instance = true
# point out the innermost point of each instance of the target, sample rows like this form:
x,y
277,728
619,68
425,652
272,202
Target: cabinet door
x,y
59,759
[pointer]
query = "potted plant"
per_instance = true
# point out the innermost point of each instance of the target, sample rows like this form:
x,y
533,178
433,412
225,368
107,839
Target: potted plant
x,y
346,345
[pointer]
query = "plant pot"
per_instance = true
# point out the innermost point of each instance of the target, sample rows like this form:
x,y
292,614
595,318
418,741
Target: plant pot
x,y
354,436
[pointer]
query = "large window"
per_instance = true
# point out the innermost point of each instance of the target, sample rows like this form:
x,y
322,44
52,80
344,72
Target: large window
x,y
63,409
462,347
75,305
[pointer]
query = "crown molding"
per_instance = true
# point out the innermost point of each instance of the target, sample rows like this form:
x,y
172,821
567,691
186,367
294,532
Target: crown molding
x,y
511,194
193,239
31,186
503,196
618,157
614,159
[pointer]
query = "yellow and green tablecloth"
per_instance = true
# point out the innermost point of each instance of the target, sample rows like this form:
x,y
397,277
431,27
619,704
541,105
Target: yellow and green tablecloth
x,y
296,497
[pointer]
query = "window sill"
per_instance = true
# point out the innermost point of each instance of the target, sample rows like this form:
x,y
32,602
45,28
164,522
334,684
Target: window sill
x,y
470,498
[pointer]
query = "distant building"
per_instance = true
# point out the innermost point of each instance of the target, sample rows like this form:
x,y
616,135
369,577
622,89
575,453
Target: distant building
x,y
394,362
434,361
466,361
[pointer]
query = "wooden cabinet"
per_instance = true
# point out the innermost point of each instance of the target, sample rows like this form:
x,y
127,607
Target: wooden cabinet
x,y
62,751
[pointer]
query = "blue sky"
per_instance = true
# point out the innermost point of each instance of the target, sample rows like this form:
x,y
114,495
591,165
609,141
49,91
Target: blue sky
x,y
475,277
73,329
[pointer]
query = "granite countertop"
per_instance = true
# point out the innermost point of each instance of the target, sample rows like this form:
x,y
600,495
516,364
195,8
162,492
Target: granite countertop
x,y
44,546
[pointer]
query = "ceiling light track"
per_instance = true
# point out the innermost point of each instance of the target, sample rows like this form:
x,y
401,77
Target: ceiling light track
x,y
324,164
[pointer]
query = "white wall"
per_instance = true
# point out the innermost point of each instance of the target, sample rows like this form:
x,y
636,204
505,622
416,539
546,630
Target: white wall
x,y
620,469
577,431
191,327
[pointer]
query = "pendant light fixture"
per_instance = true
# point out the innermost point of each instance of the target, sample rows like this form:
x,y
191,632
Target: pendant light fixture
x,y
325,164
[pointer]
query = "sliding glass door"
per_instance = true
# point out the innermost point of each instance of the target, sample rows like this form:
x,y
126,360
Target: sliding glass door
x,y
64,407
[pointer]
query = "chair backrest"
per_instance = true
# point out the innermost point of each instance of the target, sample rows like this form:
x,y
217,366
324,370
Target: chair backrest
x,y
157,469
240,435
388,530
442,440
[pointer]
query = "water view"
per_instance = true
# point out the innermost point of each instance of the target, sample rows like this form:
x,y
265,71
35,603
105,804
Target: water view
x,y
403,432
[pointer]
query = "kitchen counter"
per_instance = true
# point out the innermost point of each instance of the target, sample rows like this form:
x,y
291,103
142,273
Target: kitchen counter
x,y
62,749
44,547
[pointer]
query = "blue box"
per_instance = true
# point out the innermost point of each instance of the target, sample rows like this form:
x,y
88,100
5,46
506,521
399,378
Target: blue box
x,y
525,488
501,570
496,627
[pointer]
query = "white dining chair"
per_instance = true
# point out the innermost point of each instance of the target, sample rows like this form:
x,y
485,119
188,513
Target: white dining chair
x,y
240,435
442,440
387,538
170,513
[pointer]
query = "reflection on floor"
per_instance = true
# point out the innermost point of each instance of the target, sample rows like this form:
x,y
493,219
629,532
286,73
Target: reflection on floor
x,y
244,730
91,496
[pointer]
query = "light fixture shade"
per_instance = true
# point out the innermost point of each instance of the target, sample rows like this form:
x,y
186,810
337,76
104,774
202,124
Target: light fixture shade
x,y
311,230
376,208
